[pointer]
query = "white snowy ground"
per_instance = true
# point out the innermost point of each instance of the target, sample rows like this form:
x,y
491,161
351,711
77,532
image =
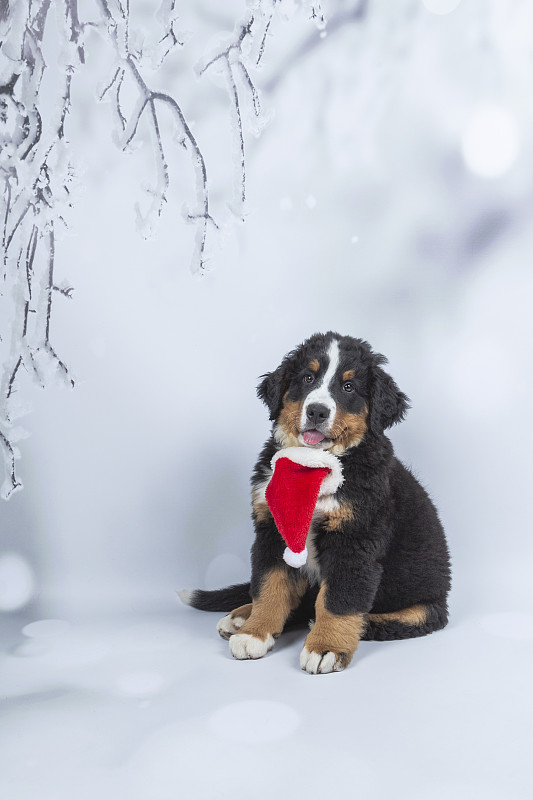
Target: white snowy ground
x,y
156,708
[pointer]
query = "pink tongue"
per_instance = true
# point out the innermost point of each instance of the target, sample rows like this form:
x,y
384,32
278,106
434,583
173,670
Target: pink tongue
x,y
313,437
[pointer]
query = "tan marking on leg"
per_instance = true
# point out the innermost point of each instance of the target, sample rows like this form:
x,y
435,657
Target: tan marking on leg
x,y
348,375
339,517
286,430
280,594
336,633
314,365
414,615
242,611
348,430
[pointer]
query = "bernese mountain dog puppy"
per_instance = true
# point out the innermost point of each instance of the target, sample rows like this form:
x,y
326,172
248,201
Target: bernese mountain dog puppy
x,y
378,565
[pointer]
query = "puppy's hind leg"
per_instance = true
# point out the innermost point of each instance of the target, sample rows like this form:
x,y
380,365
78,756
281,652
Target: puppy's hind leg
x,y
407,623
234,621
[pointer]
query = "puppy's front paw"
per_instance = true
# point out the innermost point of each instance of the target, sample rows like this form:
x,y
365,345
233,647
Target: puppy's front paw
x,y
244,645
322,663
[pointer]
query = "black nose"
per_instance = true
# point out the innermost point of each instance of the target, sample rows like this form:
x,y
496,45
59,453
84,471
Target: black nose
x,y
317,413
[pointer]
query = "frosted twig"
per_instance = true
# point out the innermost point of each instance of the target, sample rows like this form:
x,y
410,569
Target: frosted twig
x,y
238,120
66,102
148,99
243,31
202,217
251,87
12,483
169,40
263,40
232,58
65,291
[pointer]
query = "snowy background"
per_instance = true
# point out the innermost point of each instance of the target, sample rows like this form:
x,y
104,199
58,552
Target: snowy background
x,y
389,197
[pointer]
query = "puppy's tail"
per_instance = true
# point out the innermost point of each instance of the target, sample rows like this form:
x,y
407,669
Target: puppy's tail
x,y
217,599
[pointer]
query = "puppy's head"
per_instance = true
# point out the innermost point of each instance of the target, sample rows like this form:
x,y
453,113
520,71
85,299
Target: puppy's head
x,y
329,392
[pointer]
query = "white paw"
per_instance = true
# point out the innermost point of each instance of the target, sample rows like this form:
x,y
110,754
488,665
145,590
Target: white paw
x,y
229,625
244,645
320,663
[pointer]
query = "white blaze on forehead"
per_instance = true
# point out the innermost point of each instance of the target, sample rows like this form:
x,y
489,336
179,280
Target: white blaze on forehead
x,y
322,393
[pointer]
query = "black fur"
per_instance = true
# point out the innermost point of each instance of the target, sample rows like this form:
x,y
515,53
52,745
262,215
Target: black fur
x,y
387,404
274,385
393,555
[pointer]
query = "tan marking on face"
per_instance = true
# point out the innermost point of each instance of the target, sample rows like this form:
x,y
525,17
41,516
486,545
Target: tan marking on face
x,y
348,430
280,594
414,615
286,430
338,517
348,375
336,633
314,365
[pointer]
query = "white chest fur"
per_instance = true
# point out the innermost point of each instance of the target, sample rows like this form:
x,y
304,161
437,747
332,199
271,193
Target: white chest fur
x,y
311,568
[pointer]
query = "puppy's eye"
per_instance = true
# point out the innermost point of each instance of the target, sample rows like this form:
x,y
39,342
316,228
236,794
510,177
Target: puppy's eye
x,y
309,378
348,387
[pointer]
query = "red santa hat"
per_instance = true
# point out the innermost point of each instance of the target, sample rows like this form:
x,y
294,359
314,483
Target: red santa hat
x,y
300,477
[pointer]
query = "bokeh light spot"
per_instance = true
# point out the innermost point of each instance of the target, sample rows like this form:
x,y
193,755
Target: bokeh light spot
x,y
490,141
17,582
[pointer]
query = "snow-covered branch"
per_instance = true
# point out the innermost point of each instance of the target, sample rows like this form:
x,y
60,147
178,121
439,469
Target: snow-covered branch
x,y
44,44
35,179
151,101
237,57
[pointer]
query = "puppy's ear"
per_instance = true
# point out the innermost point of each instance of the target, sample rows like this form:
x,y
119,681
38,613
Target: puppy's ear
x,y
274,385
387,404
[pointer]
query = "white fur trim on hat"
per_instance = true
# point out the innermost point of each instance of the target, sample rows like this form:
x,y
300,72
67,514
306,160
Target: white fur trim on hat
x,y
315,458
293,559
